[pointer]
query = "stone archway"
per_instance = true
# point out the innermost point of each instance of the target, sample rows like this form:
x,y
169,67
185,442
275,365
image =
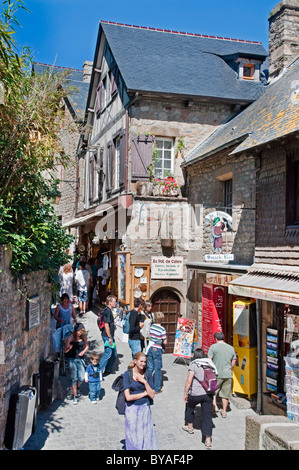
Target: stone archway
x,y
168,302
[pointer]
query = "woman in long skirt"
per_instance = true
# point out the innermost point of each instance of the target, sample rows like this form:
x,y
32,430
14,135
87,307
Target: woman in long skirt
x,y
139,390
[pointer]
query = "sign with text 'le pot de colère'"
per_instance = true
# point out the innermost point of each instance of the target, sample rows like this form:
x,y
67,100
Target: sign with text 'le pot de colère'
x,y
167,268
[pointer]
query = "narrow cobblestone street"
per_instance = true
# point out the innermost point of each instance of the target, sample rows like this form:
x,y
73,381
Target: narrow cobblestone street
x,y
65,426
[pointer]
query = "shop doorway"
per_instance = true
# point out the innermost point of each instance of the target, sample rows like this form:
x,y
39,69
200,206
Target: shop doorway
x,y
168,302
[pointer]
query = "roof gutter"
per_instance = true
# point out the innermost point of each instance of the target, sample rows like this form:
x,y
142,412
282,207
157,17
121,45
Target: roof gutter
x,y
231,143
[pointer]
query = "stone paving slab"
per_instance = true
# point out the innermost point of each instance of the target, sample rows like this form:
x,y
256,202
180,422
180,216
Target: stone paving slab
x,y
65,426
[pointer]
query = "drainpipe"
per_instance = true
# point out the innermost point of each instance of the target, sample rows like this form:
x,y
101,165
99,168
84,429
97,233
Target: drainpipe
x,y
259,355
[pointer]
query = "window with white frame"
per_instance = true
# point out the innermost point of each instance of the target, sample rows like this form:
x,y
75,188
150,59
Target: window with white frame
x,y
164,162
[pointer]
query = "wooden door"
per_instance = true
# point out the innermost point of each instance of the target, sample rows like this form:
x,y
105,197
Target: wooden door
x,y
168,302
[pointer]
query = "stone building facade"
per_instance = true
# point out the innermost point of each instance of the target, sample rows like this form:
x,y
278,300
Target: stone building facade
x,y
138,129
21,349
260,282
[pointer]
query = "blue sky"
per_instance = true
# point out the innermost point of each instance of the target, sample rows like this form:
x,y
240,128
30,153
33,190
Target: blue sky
x,y
64,32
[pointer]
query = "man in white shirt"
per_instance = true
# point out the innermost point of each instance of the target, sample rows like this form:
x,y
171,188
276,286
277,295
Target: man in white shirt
x,y
84,281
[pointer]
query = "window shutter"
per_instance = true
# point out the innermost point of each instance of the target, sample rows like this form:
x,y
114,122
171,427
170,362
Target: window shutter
x,y
109,166
100,158
141,156
122,158
114,80
98,103
91,176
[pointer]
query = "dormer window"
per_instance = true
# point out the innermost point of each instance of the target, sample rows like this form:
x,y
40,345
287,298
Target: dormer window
x,y
248,71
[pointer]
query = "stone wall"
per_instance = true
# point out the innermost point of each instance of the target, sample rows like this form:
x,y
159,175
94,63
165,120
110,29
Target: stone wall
x,y
283,36
21,351
271,433
275,242
153,219
66,208
177,119
205,186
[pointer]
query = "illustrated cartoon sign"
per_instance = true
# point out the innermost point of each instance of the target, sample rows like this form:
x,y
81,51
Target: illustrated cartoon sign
x,y
220,223
184,338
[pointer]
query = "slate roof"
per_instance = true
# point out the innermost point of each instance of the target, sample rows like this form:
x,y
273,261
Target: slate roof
x,y
158,61
78,99
274,115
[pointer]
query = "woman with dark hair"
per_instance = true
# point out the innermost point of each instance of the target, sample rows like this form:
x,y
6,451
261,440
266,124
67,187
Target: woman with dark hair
x,y
64,312
195,394
139,389
76,346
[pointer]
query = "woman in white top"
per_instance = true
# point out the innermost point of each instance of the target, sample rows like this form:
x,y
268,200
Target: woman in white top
x,y
67,281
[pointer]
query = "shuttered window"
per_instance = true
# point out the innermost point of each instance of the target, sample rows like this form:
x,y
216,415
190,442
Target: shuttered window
x,y
292,189
114,77
91,176
122,158
98,103
109,166
141,156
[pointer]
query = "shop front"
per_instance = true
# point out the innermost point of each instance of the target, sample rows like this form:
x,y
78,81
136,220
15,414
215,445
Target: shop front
x,y
277,313
219,310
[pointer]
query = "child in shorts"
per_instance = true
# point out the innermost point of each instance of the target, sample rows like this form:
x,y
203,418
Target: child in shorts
x,y
93,377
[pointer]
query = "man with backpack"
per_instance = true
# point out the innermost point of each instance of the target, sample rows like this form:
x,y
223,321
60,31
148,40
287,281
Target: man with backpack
x,y
224,357
135,326
107,327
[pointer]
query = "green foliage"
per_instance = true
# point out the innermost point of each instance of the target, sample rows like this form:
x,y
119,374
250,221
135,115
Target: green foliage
x,y
30,147
180,147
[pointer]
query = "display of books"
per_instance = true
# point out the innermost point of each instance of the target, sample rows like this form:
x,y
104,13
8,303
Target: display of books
x,y
272,360
292,385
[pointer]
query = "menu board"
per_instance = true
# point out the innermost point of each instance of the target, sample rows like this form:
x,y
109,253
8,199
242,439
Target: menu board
x,y
184,338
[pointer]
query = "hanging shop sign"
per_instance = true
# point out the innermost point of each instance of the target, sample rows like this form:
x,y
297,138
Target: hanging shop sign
x,y
219,223
213,313
167,268
184,338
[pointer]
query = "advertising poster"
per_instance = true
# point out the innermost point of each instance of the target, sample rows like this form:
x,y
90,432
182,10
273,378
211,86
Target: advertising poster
x,y
213,313
184,338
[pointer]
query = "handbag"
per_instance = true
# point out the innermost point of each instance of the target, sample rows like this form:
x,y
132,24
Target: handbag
x,y
145,330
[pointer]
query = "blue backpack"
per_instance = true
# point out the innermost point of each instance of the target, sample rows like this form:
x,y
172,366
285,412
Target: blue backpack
x,y
126,324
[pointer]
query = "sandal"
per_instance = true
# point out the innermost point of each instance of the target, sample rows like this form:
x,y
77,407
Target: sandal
x,y
189,430
208,444
223,414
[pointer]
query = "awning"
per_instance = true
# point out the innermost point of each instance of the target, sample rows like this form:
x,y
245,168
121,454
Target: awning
x,y
107,206
282,289
82,220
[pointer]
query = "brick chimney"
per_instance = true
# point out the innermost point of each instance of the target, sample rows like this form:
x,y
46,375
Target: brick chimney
x,y
87,70
283,36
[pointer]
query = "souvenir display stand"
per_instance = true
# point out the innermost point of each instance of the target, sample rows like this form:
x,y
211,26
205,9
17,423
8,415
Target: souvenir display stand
x,y
140,277
245,345
272,360
292,385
